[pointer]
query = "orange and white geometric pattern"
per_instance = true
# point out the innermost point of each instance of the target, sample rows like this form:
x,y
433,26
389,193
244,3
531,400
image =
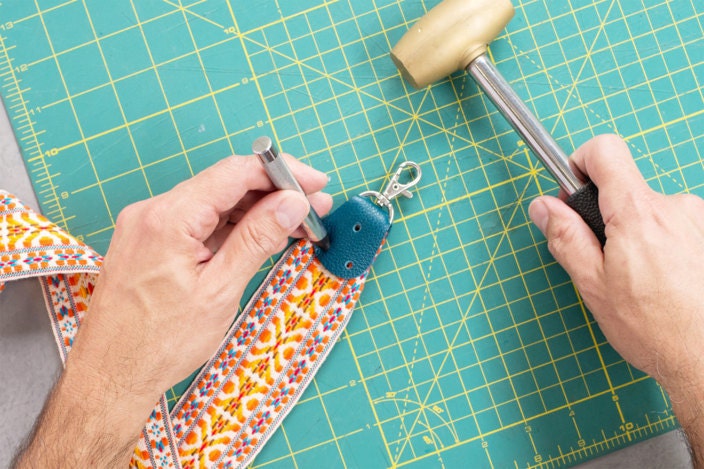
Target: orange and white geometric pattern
x,y
265,363
30,245
259,372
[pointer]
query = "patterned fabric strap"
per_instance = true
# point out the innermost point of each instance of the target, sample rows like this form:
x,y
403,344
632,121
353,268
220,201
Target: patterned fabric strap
x,y
277,344
262,367
31,246
67,269
268,358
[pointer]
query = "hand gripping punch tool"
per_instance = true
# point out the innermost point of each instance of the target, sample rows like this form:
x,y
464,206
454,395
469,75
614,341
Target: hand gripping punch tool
x,y
282,177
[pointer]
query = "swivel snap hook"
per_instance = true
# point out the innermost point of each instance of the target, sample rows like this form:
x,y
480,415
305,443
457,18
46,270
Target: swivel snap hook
x,y
396,187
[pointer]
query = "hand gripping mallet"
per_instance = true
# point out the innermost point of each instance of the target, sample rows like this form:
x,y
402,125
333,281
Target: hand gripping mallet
x,y
454,36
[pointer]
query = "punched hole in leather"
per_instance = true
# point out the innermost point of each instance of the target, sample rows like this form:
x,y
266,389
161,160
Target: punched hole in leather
x,y
357,230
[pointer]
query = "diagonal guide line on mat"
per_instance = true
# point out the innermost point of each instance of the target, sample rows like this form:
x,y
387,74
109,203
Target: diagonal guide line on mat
x,y
419,321
476,295
185,9
434,382
573,87
561,115
456,350
117,97
73,111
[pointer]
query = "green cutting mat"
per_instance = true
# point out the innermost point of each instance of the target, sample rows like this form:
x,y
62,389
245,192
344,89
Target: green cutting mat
x,y
470,346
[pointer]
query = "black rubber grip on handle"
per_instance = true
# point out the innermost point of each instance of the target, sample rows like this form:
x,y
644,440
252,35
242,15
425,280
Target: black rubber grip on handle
x,y
586,202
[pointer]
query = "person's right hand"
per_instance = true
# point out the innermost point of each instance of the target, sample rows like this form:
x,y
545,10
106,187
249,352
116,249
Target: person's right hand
x,y
645,288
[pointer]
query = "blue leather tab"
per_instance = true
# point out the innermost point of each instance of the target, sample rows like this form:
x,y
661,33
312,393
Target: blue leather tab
x,y
356,229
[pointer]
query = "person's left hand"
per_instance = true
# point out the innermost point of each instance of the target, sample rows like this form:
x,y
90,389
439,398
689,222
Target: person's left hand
x,y
178,265
174,275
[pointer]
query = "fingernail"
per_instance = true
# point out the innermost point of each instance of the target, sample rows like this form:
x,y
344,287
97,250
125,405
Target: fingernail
x,y
292,210
538,212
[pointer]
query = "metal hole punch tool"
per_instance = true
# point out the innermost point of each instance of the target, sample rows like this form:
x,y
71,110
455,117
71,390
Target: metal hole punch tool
x,y
283,178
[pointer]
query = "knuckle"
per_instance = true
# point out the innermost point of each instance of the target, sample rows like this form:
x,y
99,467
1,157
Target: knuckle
x,y
146,215
690,201
636,208
129,215
560,236
607,143
244,167
611,138
261,240
152,217
641,204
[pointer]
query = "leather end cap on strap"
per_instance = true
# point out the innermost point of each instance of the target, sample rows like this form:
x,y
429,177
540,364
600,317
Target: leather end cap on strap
x,y
357,230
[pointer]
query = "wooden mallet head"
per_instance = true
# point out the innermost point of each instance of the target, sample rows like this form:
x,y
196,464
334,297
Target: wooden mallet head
x,y
448,38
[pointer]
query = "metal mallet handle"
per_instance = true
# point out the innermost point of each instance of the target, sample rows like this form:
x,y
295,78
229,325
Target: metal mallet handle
x,y
524,122
584,199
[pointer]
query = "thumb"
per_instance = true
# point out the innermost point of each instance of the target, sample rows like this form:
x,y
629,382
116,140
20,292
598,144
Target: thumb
x,y
260,233
570,240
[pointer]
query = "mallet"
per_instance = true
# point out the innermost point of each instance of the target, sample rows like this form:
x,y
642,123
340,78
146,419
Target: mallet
x,y
454,36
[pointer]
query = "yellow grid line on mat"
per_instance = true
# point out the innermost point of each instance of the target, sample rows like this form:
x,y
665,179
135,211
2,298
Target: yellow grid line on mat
x,y
413,399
